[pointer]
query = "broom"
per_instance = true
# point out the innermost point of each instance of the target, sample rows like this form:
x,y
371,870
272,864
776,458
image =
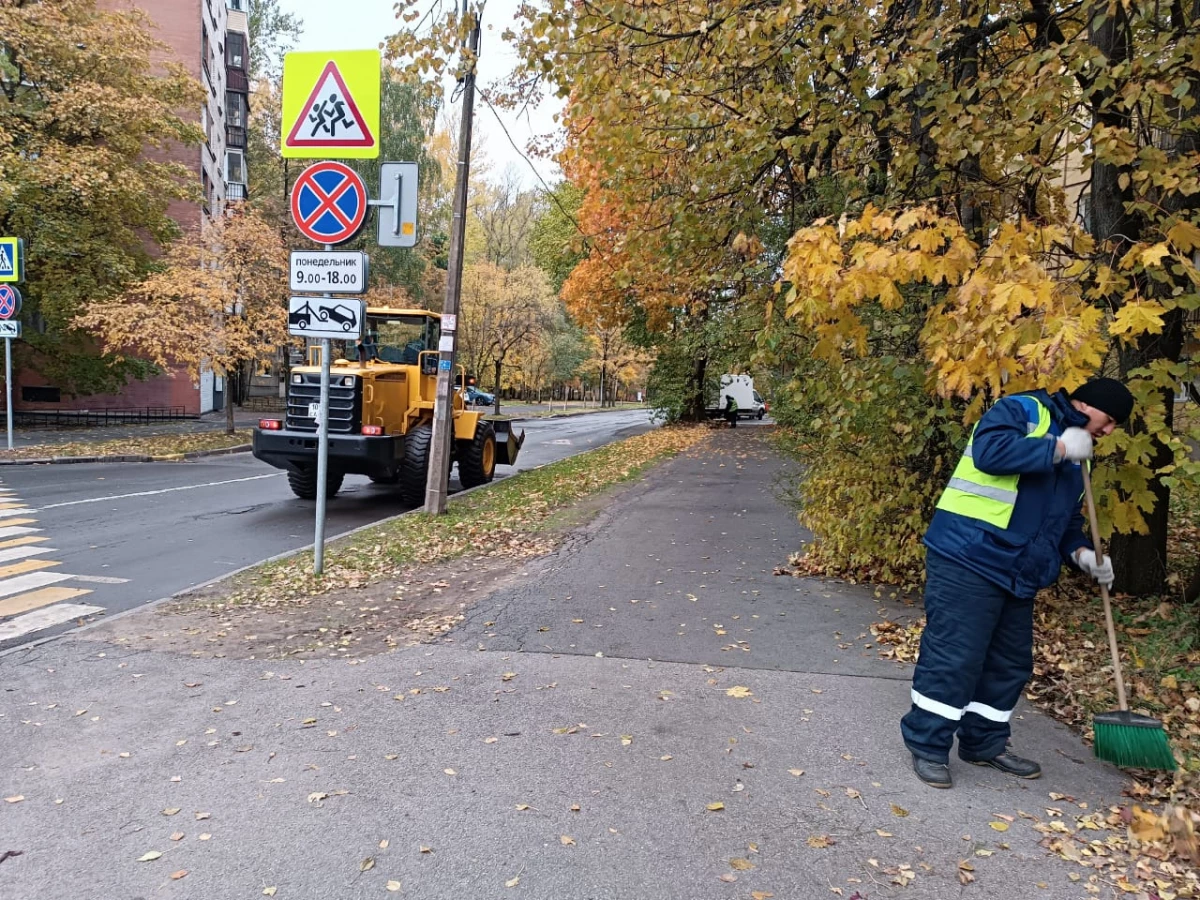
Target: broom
x,y
1122,737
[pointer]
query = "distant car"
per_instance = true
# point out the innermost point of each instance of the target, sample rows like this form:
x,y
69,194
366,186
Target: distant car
x,y
343,315
476,397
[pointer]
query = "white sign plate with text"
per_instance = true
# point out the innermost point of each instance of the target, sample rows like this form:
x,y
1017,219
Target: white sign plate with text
x,y
335,272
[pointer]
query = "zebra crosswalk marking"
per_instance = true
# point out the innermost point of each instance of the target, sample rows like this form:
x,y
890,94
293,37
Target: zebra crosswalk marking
x,y
35,599
10,553
46,617
27,565
23,541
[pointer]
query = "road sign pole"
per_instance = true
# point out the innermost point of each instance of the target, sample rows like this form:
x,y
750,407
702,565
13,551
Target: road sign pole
x,y
436,489
322,453
8,387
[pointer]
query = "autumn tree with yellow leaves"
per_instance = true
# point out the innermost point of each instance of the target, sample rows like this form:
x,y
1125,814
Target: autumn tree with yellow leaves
x,y
82,101
218,301
926,158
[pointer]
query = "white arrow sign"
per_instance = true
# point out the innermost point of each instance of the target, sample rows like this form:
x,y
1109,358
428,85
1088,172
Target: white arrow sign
x,y
339,318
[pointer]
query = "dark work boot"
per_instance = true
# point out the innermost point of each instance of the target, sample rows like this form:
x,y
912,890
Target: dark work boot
x,y
1011,764
933,774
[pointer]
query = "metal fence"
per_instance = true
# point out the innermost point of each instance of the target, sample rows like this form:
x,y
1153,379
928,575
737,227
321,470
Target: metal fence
x,y
92,418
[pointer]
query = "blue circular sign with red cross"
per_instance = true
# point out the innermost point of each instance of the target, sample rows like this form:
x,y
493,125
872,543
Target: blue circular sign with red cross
x,y
329,202
10,301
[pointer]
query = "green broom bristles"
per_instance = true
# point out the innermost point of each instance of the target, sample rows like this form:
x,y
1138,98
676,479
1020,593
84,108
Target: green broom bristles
x,y
1133,741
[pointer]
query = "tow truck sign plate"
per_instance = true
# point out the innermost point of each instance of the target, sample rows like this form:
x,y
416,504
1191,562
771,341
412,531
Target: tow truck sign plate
x,y
339,318
336,272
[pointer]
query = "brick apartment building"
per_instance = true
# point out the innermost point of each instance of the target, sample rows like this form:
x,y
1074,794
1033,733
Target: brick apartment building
x,y
211,38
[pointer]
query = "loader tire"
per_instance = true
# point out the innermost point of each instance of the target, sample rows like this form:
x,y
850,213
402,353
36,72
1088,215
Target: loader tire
x,y
304,483
414,468
477,457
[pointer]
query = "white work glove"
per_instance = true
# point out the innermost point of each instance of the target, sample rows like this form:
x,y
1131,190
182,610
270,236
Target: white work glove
x,y
1076,444
1102,571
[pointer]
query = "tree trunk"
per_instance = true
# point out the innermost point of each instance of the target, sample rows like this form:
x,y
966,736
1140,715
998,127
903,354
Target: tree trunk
x,y
498,363
229,425
693,405
1140,560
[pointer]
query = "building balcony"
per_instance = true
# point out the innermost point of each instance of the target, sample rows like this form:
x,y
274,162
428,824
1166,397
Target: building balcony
x,y
236,193
235,136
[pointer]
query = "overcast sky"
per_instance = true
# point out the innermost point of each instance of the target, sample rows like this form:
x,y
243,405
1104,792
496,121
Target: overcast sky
x,y
331,26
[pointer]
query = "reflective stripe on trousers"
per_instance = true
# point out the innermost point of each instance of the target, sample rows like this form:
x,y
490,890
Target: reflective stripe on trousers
x,y
949,712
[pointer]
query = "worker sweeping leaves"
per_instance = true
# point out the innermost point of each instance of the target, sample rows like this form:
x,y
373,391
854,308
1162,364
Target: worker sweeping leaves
x,y
1007,521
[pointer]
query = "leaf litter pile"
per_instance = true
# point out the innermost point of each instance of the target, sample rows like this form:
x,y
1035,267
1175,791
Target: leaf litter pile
x,y
1148,848
401,582
159,446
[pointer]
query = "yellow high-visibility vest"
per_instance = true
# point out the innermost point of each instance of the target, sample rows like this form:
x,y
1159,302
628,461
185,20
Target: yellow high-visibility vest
x,y
989,498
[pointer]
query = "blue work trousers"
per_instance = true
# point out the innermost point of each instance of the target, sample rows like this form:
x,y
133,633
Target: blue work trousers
x,y
976,656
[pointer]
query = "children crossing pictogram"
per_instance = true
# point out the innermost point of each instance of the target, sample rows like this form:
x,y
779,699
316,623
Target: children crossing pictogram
x,y
330,118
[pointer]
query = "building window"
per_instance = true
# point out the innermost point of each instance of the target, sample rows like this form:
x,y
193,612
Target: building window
x,y
208,124
235,110
204,48
235,167
240,5
206,186
235,50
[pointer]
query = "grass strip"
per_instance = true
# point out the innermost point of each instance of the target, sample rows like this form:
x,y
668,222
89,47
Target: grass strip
x,y
148,445
516,518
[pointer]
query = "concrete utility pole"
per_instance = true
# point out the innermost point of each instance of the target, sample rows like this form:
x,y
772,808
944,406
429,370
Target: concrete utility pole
x,y
439,453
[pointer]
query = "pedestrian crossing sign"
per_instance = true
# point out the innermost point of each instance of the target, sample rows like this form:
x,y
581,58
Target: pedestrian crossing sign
x,y
331,105
12,260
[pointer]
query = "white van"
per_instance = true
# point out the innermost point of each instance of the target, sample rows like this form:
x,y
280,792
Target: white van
x,y
749,402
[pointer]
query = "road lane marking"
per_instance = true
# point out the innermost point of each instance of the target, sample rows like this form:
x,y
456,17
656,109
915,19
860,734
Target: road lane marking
x,y
30,581
18,523
5,513
186,487
47,617
21,552
10,505
22,541
29,565
34,599
99,579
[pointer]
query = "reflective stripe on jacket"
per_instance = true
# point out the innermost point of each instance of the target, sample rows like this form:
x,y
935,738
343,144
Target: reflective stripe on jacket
x,y
1017,542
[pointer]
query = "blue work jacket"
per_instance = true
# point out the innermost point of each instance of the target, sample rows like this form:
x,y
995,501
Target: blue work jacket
x,y
1047,524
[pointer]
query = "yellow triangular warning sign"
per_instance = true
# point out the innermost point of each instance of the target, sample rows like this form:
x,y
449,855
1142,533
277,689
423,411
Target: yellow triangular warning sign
x,y
330,117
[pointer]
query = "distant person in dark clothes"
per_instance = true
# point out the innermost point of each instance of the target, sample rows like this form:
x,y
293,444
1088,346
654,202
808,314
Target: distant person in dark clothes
x,y
731,409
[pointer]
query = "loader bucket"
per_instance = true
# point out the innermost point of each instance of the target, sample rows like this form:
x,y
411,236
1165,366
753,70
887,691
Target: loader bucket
x,y
508,442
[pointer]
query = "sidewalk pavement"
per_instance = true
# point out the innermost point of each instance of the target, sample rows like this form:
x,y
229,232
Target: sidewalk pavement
x,y
571,739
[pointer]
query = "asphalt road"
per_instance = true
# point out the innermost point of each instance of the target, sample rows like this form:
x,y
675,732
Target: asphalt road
x,y
132,533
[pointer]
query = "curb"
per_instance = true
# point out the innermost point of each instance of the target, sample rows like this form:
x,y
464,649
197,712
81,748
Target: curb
x,y
167,457
152,604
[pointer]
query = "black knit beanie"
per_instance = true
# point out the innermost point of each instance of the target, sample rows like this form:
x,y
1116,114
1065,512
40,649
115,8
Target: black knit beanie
x,y
1107,395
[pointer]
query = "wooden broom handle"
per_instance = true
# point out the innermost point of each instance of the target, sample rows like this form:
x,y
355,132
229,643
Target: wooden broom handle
x,y
1122,702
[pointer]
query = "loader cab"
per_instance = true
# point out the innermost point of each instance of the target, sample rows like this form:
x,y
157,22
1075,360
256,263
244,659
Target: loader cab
x,y
395,336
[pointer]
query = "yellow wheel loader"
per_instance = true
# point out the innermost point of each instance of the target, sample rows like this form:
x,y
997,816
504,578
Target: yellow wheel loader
x,y
381,395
